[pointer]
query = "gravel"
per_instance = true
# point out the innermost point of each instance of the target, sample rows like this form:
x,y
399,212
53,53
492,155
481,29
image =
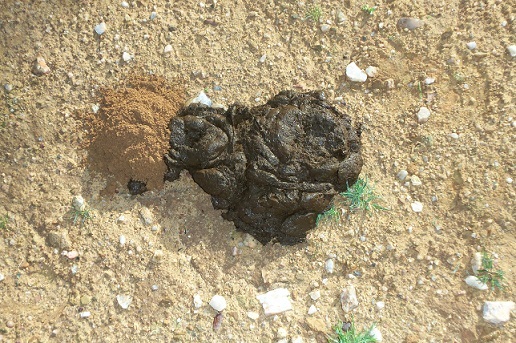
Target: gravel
x,y
218,303
417,206
422,115
100,28
355,74
402,175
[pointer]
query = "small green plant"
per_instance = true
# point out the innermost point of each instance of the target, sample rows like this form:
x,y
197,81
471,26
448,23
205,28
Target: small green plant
x,y
361,196
80,216
332,213
368,9
347,333
420,90
314,13
4,219
490,276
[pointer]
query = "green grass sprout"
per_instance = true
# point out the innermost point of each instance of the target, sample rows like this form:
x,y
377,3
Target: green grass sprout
x,y
488,275
350,335
4,219
314,13
368,9
361,196
333,213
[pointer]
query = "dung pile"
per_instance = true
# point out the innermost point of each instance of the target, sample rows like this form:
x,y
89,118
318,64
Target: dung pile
x,y
129,133
274,167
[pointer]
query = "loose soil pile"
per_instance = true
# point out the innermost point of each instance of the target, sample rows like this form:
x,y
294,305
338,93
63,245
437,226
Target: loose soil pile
x,y
129,131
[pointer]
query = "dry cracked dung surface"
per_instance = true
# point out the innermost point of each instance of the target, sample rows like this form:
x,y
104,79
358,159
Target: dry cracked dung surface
x,y
460,166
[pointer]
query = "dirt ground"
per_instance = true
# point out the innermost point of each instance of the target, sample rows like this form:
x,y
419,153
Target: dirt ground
x,y
247,51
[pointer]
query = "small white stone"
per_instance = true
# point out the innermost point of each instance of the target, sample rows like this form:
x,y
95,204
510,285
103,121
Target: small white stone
x,y
312,310
471,45
380,305
329,265
167,49
512,50
325,27
371,71
127,56
454,135
153,15
297,339
508,180
282,333
402,175
124,4
275,301
218,303
100,28
122,240
146,216
72,254
197,301
8,87
124,300
498,312
95,108
415,180
2,277
422,115
78,203
202,98
154,288
376,334
348,298
263,58
355,74
429,80
417,206
315,295
474,282
253,315
476,262
85,314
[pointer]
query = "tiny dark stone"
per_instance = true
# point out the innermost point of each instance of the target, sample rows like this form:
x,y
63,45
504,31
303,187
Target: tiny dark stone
x,y
273,168
136,187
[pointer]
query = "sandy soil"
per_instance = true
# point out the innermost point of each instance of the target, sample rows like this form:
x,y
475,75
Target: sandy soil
x,y
414,262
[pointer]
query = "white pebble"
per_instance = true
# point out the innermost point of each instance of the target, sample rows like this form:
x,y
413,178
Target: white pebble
x,y
348,298
122,240
474,282
253,315
2,277
297,339
8,87
124,300
429,80
202,98
329,265
154,288
218,303
402,174
282,333
167,49
197,301
376,334
124,4
275,301
315,295
325,27
312,310
153,15
471,45
263,58
78,203
454,135
371,71
476,262
415,180
512,50
127,56
85,314
508,180
417,206
355,74
100,28
422,115
380,305
498,312
72,254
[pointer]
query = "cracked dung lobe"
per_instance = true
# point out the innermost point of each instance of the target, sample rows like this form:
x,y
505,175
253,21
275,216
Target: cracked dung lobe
x,y
274,167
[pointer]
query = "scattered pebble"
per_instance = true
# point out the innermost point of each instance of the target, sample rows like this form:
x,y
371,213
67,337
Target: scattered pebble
x,y
315,295
9,324
40,67
282,333
429,80
371,71
72,254
78,203
124,4
85,314
402,175
253,315
2,277
154,288
417,206
454,135
217,322
476,262
341,17
348,298
508,180
410,23
127,56
167,49
100,28
218,303
297,339
263,58
59,239
422,115
122,240
376,334
146,216
498,312
380,305
415,180
474,282
325,27
8,87
329,265
157,256
124,300
512,50
275,301
471,45
312,310
197,301
355,74
153,15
